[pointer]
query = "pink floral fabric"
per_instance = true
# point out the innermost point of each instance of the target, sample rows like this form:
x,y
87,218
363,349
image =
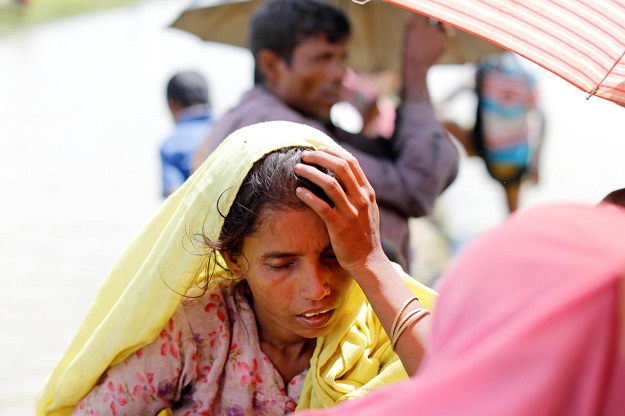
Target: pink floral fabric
x,y
206,361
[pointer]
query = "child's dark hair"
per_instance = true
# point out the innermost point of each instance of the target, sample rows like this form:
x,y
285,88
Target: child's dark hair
x,y
188,88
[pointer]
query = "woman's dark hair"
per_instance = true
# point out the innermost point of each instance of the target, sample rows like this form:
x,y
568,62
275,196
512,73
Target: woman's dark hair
x,y
270,183
281,25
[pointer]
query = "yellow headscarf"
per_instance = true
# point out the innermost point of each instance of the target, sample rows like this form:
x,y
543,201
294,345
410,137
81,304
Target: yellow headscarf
x,y
144,287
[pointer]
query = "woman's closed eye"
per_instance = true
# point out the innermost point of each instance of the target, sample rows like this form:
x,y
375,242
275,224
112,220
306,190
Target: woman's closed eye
x,y
280,266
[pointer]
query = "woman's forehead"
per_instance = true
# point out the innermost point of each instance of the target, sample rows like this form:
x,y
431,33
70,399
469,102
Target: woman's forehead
x,y
271,218
290,227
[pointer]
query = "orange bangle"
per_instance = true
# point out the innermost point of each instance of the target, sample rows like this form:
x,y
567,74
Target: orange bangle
x,y
412,317
401,310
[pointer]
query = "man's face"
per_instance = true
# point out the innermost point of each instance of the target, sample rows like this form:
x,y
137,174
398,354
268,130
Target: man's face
x,y
311,84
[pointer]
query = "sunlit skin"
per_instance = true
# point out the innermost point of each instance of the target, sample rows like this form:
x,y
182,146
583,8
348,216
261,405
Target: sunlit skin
x,y
311,83
291,269
306,261
352,224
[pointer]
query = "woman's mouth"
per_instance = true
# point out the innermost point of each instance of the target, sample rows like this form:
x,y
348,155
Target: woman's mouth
x,y
316,319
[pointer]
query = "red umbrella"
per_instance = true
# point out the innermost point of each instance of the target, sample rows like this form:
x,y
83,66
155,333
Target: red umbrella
x,y
582,41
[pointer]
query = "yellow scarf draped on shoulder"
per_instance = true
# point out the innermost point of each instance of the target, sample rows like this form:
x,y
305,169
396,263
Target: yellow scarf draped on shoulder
x,y
146,284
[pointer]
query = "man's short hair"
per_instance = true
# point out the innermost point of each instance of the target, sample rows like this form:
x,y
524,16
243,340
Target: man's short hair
x,y
281,25
188,88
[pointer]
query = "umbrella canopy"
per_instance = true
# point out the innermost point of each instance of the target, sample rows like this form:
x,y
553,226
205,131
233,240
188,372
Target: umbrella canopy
x,y
375,44
582,41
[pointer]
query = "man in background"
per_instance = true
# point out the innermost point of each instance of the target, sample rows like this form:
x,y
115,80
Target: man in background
x,y
189,104
299,49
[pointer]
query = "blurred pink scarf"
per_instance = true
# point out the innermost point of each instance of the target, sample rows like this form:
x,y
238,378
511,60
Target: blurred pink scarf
x,y
527,323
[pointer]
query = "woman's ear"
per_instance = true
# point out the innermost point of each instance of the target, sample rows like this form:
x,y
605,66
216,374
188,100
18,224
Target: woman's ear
x,y
233,263
270,65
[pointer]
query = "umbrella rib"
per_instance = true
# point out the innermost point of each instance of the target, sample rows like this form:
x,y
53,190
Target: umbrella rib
x,y
596,87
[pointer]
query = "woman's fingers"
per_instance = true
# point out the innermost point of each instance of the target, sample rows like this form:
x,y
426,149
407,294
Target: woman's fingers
x,y
347,171
353,221
350,191
341,162
330,185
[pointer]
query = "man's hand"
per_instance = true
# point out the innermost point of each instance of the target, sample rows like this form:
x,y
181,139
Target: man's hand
x,y
425,41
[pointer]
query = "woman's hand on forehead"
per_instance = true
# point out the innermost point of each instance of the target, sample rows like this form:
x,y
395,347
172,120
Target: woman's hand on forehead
x,y
353,222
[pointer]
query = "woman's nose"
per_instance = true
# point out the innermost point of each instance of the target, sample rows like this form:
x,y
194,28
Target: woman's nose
x,y
314,285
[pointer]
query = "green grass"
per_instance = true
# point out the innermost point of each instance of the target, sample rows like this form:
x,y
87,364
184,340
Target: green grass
x,y
15,17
